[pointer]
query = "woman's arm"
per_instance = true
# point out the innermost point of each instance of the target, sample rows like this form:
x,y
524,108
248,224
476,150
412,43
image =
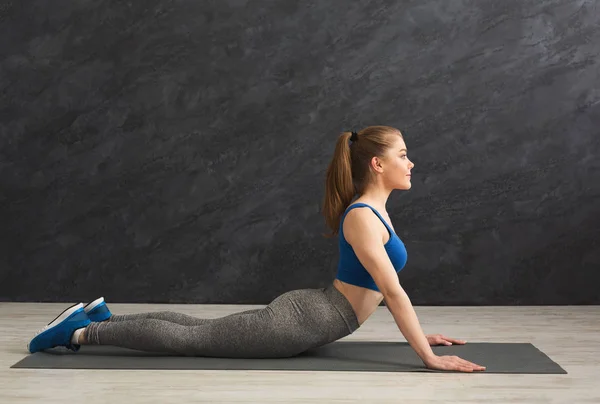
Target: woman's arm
x,y
361,229
404,314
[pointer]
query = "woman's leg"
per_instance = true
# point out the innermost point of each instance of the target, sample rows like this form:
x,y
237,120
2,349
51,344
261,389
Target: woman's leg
x,y
172,317
290,324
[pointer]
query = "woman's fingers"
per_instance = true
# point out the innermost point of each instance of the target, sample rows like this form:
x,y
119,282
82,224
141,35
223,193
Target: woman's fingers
x,y
456,341
466,364
474,366
454,363
442,339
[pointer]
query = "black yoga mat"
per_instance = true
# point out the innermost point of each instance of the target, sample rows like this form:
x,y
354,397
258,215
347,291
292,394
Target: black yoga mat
x,y
357,356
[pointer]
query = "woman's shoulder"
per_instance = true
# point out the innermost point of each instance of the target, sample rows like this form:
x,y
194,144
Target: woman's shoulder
x,y
359,222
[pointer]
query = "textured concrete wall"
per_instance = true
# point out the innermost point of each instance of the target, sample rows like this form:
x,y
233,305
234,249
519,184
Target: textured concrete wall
x,y
158,151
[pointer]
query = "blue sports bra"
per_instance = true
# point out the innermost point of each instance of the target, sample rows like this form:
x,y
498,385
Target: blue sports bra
x,y
350,269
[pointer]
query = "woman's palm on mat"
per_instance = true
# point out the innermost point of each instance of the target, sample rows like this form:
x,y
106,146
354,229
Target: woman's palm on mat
x,y
452,363
449,362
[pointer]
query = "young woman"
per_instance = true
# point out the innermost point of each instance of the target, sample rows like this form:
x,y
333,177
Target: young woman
x,y
369,164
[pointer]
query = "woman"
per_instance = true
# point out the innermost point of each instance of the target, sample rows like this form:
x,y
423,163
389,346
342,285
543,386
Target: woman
x,y
369,164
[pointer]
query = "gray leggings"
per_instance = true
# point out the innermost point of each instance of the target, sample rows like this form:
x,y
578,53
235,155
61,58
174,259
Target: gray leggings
x,y
292,323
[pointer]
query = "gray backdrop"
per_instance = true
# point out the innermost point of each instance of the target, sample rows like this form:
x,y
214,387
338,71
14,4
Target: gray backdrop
x,y
159,151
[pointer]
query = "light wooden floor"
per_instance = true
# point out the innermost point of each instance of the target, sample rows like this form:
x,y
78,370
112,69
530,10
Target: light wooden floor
x,y
568,334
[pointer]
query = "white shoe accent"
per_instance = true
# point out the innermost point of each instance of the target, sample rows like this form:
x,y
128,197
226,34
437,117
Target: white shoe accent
x,y
93,304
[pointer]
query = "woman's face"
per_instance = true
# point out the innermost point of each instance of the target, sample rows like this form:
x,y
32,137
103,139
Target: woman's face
x,y
397,166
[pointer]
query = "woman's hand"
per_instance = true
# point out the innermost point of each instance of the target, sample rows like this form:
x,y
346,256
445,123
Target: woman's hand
x,y
439,339
452,363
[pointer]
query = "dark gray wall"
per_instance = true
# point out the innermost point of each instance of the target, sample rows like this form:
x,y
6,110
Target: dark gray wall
x,y
157,151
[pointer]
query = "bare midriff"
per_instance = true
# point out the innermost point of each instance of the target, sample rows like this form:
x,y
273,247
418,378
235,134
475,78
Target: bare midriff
x,y
364,301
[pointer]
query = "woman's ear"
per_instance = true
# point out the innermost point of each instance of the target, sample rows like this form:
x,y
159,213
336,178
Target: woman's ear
x,y
376,164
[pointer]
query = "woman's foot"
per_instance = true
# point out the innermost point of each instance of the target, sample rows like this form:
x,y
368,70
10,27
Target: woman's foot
x,y
97,310
60,331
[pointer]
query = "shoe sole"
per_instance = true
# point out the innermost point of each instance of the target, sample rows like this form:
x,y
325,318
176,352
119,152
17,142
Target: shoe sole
x,y
64,315
91,306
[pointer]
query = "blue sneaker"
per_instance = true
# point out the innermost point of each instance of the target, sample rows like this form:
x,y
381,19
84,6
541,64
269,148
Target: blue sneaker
x,y
60,330
97,310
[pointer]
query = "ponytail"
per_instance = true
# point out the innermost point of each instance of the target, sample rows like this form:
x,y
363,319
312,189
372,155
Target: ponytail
x,y
349,171
339,185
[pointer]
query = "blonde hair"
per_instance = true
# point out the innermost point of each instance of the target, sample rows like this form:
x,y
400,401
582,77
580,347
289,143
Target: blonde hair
x,y
349,171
